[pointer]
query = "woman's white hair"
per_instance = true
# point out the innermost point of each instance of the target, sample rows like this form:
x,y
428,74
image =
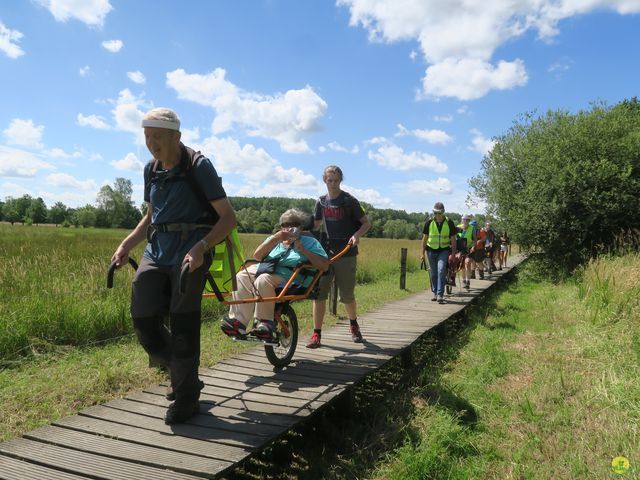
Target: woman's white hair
x,y
293,215
161,118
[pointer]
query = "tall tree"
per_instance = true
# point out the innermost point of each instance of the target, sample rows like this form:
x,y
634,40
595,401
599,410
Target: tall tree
x,y
57,213
569,183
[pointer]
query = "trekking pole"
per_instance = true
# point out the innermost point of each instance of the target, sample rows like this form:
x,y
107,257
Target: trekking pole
x,y
112,269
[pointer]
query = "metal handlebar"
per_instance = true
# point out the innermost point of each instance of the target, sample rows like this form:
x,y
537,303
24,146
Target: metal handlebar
x,y
183,278
112,268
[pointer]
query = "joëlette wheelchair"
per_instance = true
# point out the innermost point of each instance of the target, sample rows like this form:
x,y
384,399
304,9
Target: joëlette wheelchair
x,y
281,348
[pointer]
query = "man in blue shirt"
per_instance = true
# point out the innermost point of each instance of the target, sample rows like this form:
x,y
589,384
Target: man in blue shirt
x,y
187,213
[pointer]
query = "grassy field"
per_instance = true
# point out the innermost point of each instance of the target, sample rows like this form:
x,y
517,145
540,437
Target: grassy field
x,y
66,341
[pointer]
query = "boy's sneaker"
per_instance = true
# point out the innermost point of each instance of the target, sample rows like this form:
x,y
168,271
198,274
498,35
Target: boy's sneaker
x,y
356,336
232,327
264,330
314,341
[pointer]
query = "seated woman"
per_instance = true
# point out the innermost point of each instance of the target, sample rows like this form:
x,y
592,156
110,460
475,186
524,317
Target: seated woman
x,y
286,249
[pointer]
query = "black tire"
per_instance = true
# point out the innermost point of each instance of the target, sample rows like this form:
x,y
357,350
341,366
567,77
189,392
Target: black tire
x,y
281,355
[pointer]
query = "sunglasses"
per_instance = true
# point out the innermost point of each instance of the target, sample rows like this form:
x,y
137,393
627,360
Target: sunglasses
x,y
289,224
435,212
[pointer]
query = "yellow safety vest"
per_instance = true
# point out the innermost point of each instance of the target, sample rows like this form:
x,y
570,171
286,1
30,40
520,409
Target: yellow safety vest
x,y
439,239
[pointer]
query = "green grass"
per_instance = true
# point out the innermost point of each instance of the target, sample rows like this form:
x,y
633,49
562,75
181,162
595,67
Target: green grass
x,y
551,371
66,341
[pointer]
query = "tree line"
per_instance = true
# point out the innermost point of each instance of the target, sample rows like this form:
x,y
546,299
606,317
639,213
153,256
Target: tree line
x,y
114,208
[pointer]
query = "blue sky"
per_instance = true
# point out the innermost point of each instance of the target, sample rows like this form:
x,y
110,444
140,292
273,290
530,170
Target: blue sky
x,y
404,95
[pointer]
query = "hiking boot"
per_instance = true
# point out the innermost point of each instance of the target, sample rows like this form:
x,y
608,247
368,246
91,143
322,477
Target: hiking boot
x,y
434,298
171,395
356,336
467,284
232,327
264,330
473,275
181,410
440,299
314,341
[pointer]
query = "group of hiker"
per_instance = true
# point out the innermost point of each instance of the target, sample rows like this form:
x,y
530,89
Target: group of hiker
x,y
465,247
188,213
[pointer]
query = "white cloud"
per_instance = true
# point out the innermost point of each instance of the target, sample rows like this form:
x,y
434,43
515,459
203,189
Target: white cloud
x,y
368,195
13,190
286,118
8,42
481,144
64,180
430,136
336,147
91,12
560,67
24,133
129,162
137,77
189,136
18,163
393,157
93,121
443,118
440,186
60,153
114,46
128,115
468,32
84,71
413,55
254,164
469,79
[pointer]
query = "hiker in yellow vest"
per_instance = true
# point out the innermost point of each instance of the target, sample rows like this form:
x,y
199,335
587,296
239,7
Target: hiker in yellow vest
x,y
466,239
438,240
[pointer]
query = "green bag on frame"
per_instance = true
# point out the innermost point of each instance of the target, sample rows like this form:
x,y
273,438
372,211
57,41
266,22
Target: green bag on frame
x,y
228,257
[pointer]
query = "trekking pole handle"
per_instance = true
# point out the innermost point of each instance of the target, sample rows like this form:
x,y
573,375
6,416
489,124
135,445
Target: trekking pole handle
x,y
112,268
183,278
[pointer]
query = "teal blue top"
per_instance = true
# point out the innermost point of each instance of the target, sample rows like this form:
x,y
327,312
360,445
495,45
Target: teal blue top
x,y
291,258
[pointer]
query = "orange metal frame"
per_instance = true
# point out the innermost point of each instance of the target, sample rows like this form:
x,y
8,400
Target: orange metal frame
x,y
283,296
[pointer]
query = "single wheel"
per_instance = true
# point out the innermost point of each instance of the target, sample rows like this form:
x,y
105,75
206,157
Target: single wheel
x,y
287,332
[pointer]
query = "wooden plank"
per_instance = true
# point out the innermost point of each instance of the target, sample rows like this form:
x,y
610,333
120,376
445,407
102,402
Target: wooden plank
x,y
205,419
85,463
282,384
270,418
131,452
12,469
251,402
151,438
270,391
224,436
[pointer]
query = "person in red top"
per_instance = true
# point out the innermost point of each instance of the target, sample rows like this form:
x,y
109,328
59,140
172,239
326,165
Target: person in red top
x,y
477,252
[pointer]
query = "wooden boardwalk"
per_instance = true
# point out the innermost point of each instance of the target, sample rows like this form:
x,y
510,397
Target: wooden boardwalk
x,y
244,406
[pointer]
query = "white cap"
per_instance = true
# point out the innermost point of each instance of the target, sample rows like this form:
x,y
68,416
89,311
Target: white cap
x,y
161,118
